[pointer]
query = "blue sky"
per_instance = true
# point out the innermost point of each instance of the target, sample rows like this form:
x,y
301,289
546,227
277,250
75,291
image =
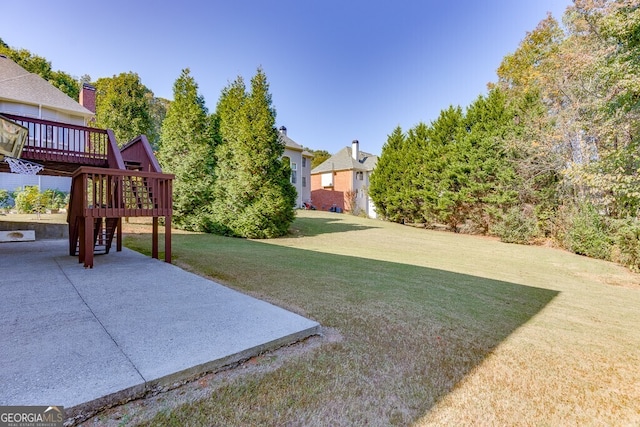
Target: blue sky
x,y
338,69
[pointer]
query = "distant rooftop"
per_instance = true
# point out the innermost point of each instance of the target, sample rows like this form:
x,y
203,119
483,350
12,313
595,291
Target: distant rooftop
x,y
343,160
290,143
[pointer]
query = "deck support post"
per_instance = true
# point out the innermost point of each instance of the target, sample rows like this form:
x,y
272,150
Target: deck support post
x,y
119,235
86,242
154,238
167,239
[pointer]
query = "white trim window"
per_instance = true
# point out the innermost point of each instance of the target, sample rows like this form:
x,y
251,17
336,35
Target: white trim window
x,y
327,179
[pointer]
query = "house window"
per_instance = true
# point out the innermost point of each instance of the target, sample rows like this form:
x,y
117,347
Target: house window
x,y
327,179
304,180
304,162
294,167
293,176
359,176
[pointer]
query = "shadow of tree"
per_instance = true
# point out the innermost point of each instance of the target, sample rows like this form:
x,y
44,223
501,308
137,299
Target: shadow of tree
x,y
307,227
411,333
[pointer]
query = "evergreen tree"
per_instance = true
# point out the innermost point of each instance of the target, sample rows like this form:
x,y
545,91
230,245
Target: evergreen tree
x,y
254,197
488,122
444,167
157,111
122,105
387,181
187,149
416,194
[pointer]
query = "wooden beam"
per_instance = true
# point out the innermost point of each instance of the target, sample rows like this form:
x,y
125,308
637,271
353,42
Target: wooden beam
x,y
119,235
154,238
88,242
167,239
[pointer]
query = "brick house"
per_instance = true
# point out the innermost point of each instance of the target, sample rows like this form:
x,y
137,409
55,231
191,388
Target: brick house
x,y
342,181
300,162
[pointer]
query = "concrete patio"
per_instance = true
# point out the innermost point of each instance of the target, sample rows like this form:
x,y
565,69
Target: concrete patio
x,y
90,338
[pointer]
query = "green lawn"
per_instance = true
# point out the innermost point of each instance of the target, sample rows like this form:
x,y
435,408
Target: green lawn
x,y
437,329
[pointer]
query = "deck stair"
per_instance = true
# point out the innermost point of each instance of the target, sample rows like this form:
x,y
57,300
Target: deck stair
x,y
103,231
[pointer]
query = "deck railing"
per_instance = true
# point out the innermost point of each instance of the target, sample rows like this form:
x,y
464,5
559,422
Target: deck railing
x,y
113,193
63,142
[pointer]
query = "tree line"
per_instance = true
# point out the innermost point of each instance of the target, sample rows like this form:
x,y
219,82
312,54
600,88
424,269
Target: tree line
x,y
229,176
549,154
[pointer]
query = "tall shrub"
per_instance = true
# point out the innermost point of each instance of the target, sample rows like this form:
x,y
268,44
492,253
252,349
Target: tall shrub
x,y
588,233
627,243
187,145
30,200
254,197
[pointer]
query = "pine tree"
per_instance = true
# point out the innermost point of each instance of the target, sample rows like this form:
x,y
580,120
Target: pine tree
x,y
488,122
157,111
187,149
444,169
254,197
387,178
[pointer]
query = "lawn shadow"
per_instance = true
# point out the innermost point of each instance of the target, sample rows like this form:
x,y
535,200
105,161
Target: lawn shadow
x,y
309,227
396,317
432,325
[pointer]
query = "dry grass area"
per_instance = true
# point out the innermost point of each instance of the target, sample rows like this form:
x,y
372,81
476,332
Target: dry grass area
x,y
57,218
435,329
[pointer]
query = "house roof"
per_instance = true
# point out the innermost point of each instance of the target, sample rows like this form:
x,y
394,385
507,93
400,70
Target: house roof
x,y
19,85
292,145
343,160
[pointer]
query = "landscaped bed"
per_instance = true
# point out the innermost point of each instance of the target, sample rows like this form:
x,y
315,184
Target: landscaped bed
x,y
423,327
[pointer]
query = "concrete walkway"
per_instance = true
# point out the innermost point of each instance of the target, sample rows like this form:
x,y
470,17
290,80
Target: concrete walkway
x,y
87,338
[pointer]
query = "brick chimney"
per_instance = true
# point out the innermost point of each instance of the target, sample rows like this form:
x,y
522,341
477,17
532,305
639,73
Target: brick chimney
x,y
88,97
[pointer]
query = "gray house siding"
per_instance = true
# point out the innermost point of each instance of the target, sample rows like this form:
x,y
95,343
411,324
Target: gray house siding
x,y
13,181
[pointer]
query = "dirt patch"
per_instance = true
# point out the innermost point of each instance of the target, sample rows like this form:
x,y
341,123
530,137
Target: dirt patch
x,y
144,409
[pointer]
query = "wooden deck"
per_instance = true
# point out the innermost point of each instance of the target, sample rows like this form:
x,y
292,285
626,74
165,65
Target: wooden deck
x,y
103,189
111,194
61,148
